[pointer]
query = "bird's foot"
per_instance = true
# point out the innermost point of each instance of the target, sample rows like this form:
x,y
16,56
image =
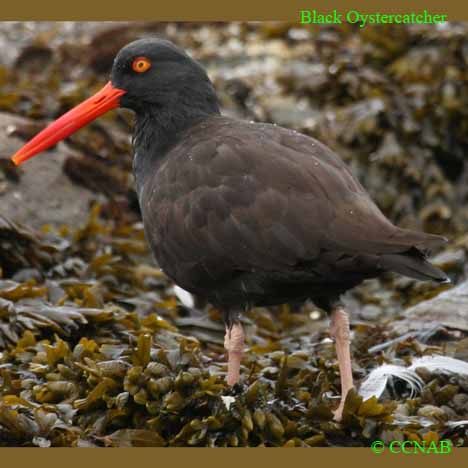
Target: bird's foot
x,y
338,413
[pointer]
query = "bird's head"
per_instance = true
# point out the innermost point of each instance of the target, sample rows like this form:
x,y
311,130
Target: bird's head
x,y
148,75
154,73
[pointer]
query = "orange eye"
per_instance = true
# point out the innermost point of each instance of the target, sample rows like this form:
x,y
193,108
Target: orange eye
x,y
141,64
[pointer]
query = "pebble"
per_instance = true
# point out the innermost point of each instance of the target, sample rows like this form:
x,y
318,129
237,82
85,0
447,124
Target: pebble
x,y
370,312
432,412
460,402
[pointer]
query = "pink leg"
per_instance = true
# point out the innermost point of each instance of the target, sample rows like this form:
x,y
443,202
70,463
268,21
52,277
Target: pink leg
x,y
234,344
339,330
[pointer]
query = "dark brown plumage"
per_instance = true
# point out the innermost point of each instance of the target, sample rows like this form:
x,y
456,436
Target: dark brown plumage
x,y
254,214
244,213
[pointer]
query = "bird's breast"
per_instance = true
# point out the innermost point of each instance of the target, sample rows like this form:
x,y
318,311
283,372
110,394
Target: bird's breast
x,y
174,204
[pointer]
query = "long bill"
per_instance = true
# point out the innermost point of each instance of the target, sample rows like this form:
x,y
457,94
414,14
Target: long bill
x,y
104,100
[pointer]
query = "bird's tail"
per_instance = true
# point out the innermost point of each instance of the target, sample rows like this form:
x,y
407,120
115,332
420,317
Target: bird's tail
x,y
420,240
413,264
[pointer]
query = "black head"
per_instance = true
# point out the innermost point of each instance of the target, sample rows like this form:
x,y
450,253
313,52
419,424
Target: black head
x,y
166,88
157,74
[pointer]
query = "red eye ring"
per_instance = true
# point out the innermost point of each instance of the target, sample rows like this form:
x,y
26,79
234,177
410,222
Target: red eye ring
x,y
141,64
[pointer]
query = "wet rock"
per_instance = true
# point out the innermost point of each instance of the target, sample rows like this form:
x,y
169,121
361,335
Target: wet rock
x,y
451,414
304,77
460,403
463,382
353,122
34,58
371,312
20,35
108,41
450,260
432,412
43,194
401,410
27,274
448,309
289,112
461,350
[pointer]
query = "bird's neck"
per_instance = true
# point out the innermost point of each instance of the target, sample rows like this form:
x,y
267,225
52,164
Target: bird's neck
x,y
158,129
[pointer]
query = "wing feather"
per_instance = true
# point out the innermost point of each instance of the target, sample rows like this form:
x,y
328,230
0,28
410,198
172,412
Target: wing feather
x,y
269,200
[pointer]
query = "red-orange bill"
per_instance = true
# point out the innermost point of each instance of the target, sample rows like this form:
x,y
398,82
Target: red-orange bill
x,y
104,100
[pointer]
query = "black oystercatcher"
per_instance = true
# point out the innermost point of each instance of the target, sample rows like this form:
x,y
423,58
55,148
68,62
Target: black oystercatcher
x,y
245,214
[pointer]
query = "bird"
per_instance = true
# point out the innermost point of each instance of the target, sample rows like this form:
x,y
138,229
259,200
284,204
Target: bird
x,y
245,214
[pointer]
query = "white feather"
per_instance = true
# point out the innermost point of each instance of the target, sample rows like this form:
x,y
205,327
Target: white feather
x,y
184,296
228,401
377,380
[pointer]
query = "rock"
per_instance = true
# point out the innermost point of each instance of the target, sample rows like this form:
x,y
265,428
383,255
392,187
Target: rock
x,y
462,381
432,412
461,350
451,414
19,35
43,194
371,312
460,403
450,260
448,309
290,112
401,410
304,77
27,274
424,373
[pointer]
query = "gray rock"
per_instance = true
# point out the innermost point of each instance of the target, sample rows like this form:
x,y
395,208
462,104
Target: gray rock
x,y
290,112
371,312
44,194
16,35
401,410
450,260
463,382
460,402
432,412
449,308
451,414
